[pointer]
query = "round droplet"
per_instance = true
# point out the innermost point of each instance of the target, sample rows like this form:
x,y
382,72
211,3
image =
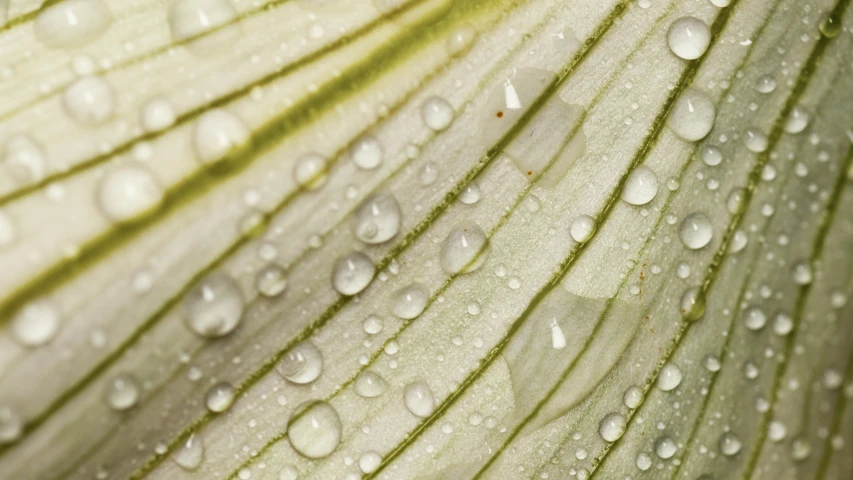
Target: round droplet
x,y
695,231
437,113
470,194
830,25
366,152
465,249
369,385
90,100
612,427
352,273
369,461
755,140
271,281
802,272
214,306
129,193
801,449
754,318
372,325
419,399
25,159
157,115
11,425
302,364
72,23
220,397
310,171
582,228
711,155
783,324
665,447
693,304
378,219
218,134
410,301
460,39
776,431
688,37
669,377
692,116
797,121
765,84
729,444
35,324
633,397
641,186
643,461
122,392
314,429
711,363
190,454
208,25
739,241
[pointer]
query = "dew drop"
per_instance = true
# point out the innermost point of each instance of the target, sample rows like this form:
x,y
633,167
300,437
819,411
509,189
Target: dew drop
x,y
157,115
366,152
35,324
612,427
25,159
378,219
721,3
461,39
755,140
692,116
558,338
665,447
739,241
801,449
302,364
693,304
729,444
89,100
688,37
754,318
437,113
369,461
465,249
310,171
190,455
711,363
711,155
11,425
219,133
372,325
736,201
220,397
695,231
207,26
643,461
369,384
765,84
582,228
352,273
783,324
122,392
214,306
797,121
830,25
633,397
802,272
669,377
641,186
271,281
129,193
419,399
470,194
72,23
314,429
777,431
410,301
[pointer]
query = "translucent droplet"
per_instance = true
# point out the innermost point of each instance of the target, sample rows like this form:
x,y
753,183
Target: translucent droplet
x,y
369,461
797,121
302,364
688,37
129,193
711,363
830,25
693,304
437,113
314,429
11,425
558,338
25,159
214,306
219,134
157,115
72,23
729,444
665,447
410,301
755,140
783,324
754,318
802,272
612,427
465,249
271,281
378,219
692,116
289,472
776,431
207,26
89,100
801,449
369,384
643,461
711,155
366,152
669,377
310,171
220,397
352,273
122,392
765,84
695,231
190,454
470,194
419,399
721,3
736,201
35,324
739,241
372,325
460,39
633,397
582,228
641,186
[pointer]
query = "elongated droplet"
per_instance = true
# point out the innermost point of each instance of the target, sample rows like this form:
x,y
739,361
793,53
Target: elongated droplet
x,y
214,307
35,324
90,100
11,425
220,397
612,427
301,364
352,273
219,133
688,37
410,301
378,219
641,186
122,392
369,384
692,116
695,231
72,23
207,26
693,304
128,193
419,399
669,377
190,454
314,429
437,113
465,249
558,339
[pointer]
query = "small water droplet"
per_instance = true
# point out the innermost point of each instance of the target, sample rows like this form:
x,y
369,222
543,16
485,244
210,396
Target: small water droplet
x,y
419,399
369,384
314,429
797,121
11,425
35,324
641,186
665,447
692,116
695,231
157,115
122,392
219,134
378,219
190,454
669,377
711,363
465,249
754,318
830,25
711,155
612,427
801,449
688,37
437,113
352,273
25,159
372,325
410,301
207,26
310,171
128,193
461,39
302,364
633,397
729,444
765,84
72,23
783,324
777,431
470,194
802,272
755,140
736,201
89,100
366,152
643,461
220,397
271,281
214,306
582,228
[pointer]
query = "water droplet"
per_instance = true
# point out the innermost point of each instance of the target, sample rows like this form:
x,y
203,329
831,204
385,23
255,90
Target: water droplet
x,y
612,427
352,273
783,324
410,301
692,116
366,152
802,272
736,201
208,26
711,363
711,155
801,449
129,193
669,377
369,384
289,472
797,121
25,159
643,461
765,84
837,299
754,318
465,249
755,140
372,325
777,431
582,228
310,171
729,444
369,461
11,425
437,113
461,39
641,186
470,194
218,134
302,364
214,306
157,115
90,100
558,338
419,399
739,241
693,304
688,37
633,397
378,219
35,324
695,231
72,23
830,25
314,429
220,397
122,392
665,447
721,3
190,455
271,281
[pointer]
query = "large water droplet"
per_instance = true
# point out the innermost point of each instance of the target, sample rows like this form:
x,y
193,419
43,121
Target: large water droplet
x,y
633,396
369,384
220,397
692,116
72,23
465,249
310,171
122,392
314,429
378,219
797,121
665,447
693,304
128,193
208,25
410,301
352,273
366,152
437,113
582,228
641,186
612,427
35,324
214,307
301,364
25,159
754,318
695,231
219,133
688,37
419,399
190,454
157,115
669,377
90,100
11,425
